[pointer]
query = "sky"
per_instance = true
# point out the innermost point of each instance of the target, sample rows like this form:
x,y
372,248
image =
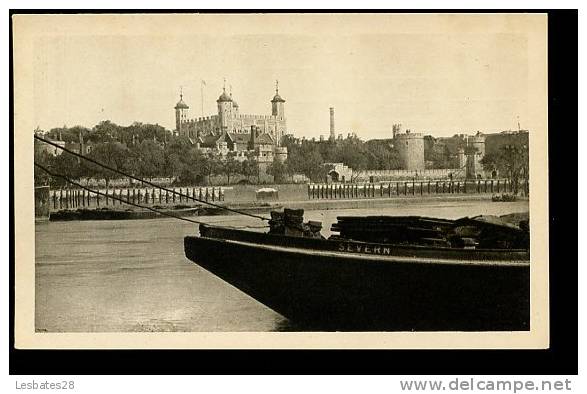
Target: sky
x,y
435,76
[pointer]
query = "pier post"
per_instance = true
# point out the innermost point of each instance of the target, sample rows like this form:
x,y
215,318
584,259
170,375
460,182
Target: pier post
x,y
54,200
405,188
428,186
97,200
213,193
207,194
421,188
478,186
173,195
492,186
436,187
498,185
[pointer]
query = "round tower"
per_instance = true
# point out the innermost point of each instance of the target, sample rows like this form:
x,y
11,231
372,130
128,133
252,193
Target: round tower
x,y
224,110
181,114
410,148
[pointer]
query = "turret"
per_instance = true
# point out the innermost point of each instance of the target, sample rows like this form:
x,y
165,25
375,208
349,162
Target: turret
x,y
181,113
277,106
225,110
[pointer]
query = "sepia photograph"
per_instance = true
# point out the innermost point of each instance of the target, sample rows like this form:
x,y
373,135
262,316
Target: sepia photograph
x,y
281,180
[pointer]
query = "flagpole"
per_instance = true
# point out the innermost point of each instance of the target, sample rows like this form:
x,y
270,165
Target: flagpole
x,y
202,83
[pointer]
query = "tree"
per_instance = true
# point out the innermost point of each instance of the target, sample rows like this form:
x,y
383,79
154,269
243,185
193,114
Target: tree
x,y
42,157
278,169
354,155
211,165
105,131
250,167
229,166
511,161
112,154
148,159
67,165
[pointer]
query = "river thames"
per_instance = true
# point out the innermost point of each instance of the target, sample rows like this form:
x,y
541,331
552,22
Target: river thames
x,y
132,275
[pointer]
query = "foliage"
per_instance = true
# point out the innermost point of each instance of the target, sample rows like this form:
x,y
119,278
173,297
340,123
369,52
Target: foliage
x,y
111,154
510,161
250,167
229,166
279,170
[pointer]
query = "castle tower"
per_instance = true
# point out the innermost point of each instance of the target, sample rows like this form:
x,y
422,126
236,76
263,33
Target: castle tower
x,y
225,110
277,107
410,148
476,151
181,114
332,131
278,112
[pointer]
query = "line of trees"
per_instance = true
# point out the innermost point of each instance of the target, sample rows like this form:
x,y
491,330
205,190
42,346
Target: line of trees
x,y
150,151
511,161
143,150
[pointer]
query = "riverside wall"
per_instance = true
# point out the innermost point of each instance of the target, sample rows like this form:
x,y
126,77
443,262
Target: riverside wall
x,y
241,195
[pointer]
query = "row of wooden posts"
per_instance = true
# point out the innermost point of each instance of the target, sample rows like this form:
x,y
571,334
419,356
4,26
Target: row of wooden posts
x,y
77,198
373,190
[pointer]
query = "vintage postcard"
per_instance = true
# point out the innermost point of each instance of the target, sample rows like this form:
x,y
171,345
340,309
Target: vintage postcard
x,y
350,181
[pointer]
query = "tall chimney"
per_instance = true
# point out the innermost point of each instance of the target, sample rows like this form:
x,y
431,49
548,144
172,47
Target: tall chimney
x,y
332,132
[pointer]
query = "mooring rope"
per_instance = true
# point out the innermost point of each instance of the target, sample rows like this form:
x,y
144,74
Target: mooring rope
x,y
141,180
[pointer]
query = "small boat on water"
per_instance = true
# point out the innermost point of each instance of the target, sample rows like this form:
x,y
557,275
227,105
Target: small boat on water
x,y
379,273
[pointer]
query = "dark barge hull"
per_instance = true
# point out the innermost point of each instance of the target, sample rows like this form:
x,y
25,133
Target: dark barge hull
x,y
422,289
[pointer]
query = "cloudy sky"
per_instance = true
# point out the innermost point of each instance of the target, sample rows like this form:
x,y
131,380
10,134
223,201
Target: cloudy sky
x,y
434,74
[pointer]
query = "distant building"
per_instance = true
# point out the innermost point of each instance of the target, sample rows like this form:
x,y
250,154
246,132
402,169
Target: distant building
x,y
410,148
230,120
229,131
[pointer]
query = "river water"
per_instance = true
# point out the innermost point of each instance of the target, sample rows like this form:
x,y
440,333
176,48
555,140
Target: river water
x,y
132,275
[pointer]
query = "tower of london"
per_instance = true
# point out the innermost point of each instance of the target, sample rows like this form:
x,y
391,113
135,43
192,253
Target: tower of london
x,y
229,121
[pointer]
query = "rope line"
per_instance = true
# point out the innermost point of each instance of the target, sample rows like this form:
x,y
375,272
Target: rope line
x,y
116,198
142,180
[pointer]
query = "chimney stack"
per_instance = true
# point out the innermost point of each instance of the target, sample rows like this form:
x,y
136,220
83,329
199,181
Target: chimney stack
x,y
332,132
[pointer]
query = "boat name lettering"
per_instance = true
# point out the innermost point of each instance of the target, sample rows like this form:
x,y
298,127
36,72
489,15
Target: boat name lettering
x,y
358,248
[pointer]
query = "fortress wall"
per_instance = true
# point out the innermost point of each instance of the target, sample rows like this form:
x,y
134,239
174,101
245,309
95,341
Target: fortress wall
x,y
387,175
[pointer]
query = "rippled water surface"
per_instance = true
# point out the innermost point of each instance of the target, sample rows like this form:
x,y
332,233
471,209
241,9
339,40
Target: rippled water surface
x,y
132,275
